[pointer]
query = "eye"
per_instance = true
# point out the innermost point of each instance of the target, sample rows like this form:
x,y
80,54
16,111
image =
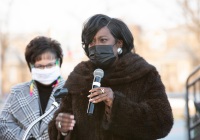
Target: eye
x,y
103,40
50,65
92,43
39,66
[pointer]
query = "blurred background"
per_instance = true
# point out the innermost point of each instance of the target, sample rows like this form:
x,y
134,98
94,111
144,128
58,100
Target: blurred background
x,y
166,34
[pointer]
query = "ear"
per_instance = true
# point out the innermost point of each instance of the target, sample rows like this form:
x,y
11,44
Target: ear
x,y
119,43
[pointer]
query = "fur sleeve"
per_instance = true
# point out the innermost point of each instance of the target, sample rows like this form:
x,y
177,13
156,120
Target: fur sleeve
x,y
65,106
149,118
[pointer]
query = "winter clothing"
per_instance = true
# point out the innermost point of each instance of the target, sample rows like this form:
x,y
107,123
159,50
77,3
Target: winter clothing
x,y
140,110
21,109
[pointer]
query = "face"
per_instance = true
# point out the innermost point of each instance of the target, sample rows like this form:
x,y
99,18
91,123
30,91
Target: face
x,y
104,37
47,60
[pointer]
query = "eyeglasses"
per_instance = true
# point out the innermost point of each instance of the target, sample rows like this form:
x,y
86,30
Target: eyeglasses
x,y
50,65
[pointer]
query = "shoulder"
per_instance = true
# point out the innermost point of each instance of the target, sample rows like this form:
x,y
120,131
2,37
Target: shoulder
x,y
83,67
80,76
62,81
135,63
83,64
144,63
20,87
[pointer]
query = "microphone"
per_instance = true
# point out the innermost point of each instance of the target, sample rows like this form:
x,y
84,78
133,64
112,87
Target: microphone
x,y
59,94
98,74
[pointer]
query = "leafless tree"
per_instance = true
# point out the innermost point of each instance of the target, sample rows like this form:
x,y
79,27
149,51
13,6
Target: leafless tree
x,y
4,36
191,12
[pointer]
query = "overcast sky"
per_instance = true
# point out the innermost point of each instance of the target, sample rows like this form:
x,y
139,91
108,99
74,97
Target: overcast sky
x,y
32,15
64,18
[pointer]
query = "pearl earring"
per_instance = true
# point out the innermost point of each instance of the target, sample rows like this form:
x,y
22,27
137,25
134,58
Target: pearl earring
x,y
119,51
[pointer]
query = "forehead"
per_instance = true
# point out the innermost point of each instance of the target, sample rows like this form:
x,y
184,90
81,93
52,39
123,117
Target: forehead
x,y
103,32
45,58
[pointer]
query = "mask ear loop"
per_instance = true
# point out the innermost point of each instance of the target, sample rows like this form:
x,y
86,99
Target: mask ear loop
x,y
31,65
31,85
59,78
57,82
31,88
57,62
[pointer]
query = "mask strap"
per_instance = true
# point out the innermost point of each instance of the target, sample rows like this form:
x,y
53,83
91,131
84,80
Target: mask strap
x,y
31,88
57,62
31,85
31,65
57,82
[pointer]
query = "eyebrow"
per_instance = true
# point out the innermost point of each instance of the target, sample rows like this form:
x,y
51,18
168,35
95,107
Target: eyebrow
x,y
46,56
103,36
46,64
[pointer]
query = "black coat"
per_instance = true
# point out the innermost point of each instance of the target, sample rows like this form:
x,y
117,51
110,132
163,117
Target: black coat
x,y
140,110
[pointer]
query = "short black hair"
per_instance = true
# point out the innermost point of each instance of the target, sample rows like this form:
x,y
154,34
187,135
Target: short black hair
x,y
118,29
40,45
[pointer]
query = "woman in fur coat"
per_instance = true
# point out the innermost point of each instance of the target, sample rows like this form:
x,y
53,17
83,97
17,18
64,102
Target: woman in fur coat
x,y
131,102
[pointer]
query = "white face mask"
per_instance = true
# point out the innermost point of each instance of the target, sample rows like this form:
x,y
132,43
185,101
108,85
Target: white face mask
x,y
46,76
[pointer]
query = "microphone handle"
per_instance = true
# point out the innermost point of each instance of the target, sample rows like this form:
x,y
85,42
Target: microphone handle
x,y
95,86
90,109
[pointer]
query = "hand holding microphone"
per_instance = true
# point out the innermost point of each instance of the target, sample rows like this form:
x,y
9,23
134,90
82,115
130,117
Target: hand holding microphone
x,y
98,74
98,93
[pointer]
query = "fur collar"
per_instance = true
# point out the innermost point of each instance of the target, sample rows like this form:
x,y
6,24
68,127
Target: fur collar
x,y
128,68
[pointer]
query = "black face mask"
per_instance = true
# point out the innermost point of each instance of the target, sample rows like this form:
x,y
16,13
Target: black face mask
x,y
102,56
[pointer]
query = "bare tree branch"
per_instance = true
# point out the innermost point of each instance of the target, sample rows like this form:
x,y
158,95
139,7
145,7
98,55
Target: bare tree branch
x,y
191,11
4,39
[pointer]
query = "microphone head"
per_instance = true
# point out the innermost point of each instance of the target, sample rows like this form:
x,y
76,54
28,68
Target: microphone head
x,y
98,72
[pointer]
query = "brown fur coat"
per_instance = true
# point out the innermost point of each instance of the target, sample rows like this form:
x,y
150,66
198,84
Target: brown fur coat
x,y
140,111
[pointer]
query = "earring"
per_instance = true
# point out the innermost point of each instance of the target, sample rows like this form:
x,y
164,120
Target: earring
x,y
119,51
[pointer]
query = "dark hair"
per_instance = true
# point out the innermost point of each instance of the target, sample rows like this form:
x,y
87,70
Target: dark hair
x,y
40,45
118,29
